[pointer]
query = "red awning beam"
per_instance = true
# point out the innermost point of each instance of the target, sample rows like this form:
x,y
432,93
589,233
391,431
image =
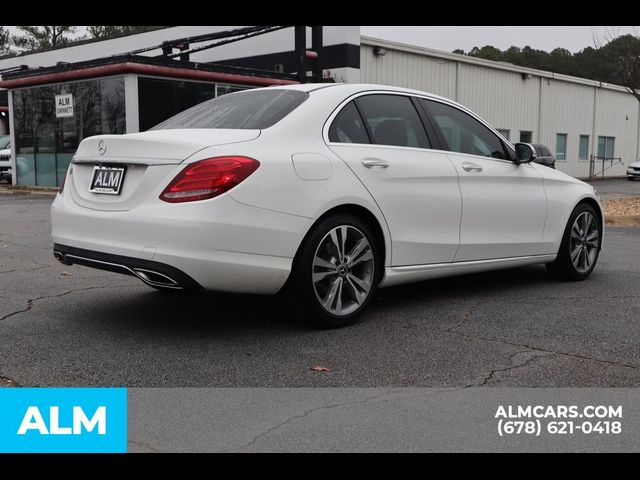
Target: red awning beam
x,y
142,69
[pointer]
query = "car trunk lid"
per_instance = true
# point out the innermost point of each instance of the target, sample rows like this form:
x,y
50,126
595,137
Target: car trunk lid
x,y
146,159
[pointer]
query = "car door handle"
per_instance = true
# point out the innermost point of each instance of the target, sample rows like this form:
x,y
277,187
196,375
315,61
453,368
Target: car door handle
x,y
375,163
471,167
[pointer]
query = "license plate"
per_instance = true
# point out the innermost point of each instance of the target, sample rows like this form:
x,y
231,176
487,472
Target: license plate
x,y
107,180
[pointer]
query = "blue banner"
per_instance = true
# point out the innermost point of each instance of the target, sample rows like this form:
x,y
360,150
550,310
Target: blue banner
x,y
63,420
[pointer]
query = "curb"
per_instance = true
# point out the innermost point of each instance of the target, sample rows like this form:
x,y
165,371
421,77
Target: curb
x,y
24,193
622,221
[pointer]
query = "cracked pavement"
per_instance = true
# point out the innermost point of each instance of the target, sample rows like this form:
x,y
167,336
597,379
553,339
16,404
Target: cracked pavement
x,y
74,326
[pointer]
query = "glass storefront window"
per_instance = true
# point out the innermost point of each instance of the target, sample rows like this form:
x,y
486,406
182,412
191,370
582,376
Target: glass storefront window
x,y
159,99
224,89
45,143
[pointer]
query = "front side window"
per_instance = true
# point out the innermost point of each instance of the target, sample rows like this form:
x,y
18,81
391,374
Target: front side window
x,y
463,133
606,147
348,126
561,146
393,120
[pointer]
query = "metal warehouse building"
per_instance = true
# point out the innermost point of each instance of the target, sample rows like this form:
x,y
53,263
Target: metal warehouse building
x,y
126,85
574,117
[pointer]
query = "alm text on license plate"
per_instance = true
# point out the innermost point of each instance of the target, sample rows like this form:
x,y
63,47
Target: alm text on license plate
x,y
107,180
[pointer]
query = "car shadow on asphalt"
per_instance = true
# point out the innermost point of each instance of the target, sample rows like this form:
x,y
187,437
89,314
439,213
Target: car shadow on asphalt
x,y
220,314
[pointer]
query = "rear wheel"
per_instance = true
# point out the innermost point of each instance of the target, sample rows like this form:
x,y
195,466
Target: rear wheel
x,y
580,247
336,273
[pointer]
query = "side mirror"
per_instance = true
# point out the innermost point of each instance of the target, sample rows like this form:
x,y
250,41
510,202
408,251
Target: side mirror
x,y
525,153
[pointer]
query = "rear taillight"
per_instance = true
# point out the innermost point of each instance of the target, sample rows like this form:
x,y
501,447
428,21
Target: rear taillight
x,y
208,178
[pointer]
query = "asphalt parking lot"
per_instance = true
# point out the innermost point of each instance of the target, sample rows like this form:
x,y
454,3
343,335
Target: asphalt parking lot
x,y
73,326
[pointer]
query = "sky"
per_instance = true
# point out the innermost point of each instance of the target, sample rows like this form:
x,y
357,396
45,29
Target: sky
x,y
449,38
573,38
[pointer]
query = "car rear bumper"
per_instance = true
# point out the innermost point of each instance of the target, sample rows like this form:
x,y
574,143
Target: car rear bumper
x,y
218,244
152,273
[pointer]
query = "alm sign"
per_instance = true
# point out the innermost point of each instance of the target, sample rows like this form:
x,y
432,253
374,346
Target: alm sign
x,y
64,105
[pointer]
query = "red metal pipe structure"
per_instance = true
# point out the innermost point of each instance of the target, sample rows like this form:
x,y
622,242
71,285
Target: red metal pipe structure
x,y
142,69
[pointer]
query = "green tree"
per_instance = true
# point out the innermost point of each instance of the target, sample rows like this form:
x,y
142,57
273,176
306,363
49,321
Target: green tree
x,y
488,52
108,31
44,37
4,40
622,57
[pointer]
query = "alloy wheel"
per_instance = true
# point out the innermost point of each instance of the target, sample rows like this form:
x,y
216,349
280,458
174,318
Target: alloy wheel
x,y
343,270
584,242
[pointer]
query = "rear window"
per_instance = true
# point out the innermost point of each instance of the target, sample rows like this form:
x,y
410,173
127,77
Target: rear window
x,y
248,110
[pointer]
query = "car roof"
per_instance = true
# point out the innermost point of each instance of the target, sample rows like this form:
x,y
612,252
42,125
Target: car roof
x,y
351,88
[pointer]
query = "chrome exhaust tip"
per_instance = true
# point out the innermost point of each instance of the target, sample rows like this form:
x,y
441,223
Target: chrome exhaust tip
x,y
156,279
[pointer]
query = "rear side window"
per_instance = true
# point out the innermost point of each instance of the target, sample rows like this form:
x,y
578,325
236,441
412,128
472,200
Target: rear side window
x,y
393,120
248,110
348,127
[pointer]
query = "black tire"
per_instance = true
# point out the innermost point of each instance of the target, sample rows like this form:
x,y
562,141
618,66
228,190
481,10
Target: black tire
x,y
563,268
631,179
303,295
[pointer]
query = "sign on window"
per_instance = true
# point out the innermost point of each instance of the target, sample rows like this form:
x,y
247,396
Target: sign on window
x,y
64,105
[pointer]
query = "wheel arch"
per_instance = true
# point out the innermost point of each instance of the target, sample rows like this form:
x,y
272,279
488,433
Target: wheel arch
x,y
360,212
592,202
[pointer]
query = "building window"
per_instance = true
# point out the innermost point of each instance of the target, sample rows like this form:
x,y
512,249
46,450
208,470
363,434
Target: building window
x,y
583,150
159,99
505,133
606,147
526,136
45,143
561,146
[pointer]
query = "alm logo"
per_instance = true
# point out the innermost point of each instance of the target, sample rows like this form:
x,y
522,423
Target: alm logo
x,y
33,421
63,420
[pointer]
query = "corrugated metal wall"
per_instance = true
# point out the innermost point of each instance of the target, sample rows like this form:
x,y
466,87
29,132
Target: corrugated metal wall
x,y
408,70
518,102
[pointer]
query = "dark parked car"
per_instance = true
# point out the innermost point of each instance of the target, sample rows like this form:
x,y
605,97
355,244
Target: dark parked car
x,y
544,156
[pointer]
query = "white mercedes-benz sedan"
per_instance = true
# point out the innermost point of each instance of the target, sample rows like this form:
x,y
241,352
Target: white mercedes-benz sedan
x,y
325,192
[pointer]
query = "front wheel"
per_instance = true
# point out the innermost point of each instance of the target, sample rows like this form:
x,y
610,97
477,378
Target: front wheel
x,y
336,272
580,247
